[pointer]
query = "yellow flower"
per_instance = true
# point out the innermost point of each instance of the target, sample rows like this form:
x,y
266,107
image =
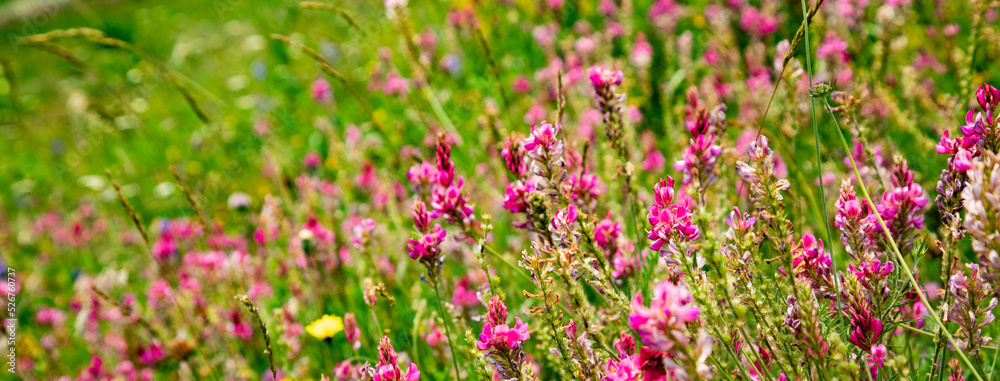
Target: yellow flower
x,y
326,327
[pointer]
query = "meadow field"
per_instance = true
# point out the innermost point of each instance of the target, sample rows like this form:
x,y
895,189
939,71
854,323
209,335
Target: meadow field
x,y
407,190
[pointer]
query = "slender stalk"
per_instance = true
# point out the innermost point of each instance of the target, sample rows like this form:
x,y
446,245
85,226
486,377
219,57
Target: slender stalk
x,y
447,329
799,34
895,251
252,308
331,8
819,159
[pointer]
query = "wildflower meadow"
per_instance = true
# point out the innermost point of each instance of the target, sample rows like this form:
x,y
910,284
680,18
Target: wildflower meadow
x,y
405,190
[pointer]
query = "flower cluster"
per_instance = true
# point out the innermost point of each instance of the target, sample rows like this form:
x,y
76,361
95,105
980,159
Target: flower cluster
x,y
974,302
502,343
388,365
604,80
984,124
671,222
982,208
448,198
663,327
427,247
902,207
698,159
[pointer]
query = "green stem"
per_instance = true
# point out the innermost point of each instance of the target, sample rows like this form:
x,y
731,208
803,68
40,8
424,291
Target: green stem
x,y
447,330
899,257
819,160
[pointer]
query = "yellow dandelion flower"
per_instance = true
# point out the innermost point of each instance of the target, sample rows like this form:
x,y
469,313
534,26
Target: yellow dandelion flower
x,y
326,327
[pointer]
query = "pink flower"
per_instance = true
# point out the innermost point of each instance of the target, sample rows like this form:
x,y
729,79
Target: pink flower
x,y
661,326
396,85
388,365
877,355
833,47
866,329
521,85
868,273
563,219
497,336
542,137
585,187
515,199
428,246
421,175
351,330
757,23
739,221
601,76
607,230
642,51
465,294
321,91
671,223
312,160
664,14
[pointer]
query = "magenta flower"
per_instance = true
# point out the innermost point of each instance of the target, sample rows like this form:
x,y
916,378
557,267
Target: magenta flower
x,y
448,199
428,246
543,138
866,329
671,223
351,331
870,273
585,187
501,343
515,199
388,365
321,91
562,221
902,207
514,155
607,230
661,326
814,264
421,218
602,76
521,85
151,354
